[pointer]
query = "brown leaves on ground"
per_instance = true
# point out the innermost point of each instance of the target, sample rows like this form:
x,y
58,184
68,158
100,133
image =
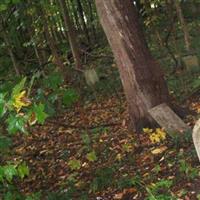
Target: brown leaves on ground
x,y
102,128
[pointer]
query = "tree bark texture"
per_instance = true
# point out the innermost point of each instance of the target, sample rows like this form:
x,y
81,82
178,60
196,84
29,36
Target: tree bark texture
x,y
141,75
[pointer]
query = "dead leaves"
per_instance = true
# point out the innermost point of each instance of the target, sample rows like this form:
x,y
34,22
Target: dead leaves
x,y
56,152
125,193
159,150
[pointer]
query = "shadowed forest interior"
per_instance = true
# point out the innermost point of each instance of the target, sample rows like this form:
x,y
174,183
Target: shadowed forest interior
x,y
99,100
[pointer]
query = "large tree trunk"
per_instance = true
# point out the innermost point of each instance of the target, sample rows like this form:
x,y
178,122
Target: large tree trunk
x,y
141,76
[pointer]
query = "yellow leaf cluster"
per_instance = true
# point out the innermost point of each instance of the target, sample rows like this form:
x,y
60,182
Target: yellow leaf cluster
x,y
20,100
156,135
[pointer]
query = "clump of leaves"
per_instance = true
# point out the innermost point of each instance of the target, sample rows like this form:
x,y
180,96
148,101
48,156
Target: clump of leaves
x,y
91,156
187,169
20,100
53,81
179,140
157,135
70,96
74,164
128,181
17,113
160,190
8,172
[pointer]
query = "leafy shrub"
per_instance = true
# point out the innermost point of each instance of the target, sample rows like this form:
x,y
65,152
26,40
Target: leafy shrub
x,y
70,96
17,113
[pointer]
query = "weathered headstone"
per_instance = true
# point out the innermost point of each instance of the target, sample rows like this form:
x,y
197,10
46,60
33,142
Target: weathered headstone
x,y
91,77
196,137
168,119
190,61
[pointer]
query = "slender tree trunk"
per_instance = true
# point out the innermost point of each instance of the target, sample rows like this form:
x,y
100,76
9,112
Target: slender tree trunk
x,y
31,37
10,51
61,29
37,54
160,40
43,46
75,14
53,48
183,25
141,76
71,34
82,17
90,3
50,40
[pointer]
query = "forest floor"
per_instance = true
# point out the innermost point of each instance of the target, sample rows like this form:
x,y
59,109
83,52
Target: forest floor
x,y
89,153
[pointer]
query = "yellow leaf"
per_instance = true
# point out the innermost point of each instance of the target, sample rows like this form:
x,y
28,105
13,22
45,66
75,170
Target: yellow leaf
x,y
161,133
154,138
20,100
159,150
100,140
157,136
119,157
146,174
147,130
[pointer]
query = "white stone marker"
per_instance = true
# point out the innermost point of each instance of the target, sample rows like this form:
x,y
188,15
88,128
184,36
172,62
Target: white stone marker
x,y
168,119
196,137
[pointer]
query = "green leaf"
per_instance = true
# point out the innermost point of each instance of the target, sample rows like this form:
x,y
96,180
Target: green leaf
x,y
161,184
23,170
91,156
9,196
74,164
3,7
70,96
53,81
53,97
50,109
34,196
86,139
40,114
19,87
1,173
16,123
5,143
16,1
9,172
2,105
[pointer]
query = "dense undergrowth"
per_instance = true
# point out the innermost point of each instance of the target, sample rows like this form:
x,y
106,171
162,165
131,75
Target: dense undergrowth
x,y
61,138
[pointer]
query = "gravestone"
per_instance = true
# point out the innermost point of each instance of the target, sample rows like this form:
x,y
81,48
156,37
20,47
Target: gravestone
x,y
91,77
168,119
190,61
196,137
